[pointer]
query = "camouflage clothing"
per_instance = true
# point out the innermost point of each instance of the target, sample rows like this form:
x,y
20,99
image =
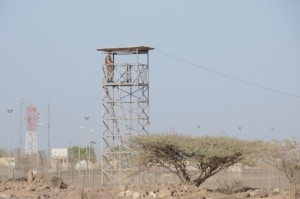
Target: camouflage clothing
x,y
128,73
109,68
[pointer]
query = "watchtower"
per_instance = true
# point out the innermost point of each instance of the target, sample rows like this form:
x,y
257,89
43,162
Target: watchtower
x,y
125,83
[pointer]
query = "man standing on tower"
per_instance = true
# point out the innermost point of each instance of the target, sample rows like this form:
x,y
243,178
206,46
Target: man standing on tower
x,y
128,73
109,67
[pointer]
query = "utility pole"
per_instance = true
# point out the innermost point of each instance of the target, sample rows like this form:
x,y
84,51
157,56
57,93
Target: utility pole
x,y
49,131
9,151
79,150
86,144
91,142
21,127
87,131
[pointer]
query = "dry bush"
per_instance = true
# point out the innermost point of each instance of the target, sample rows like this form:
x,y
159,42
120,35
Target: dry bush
x,y
285,157
229,186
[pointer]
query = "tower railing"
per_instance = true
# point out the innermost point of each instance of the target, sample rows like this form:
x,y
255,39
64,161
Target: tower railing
x,y
126,74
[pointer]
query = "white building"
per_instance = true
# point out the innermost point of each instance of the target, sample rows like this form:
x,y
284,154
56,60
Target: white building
x,y
7,162
61,159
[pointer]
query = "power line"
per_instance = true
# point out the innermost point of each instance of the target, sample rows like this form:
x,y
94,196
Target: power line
x,y
228,76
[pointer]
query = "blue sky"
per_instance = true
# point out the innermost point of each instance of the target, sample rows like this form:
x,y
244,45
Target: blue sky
x,y
48,53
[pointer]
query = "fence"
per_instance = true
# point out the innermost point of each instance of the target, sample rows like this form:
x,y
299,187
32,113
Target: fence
x,y
259,177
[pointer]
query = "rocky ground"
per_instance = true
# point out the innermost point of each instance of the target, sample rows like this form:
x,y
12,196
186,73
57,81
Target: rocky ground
x,y
39,187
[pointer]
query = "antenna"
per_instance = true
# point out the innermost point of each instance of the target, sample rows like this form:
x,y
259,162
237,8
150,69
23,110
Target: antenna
x,y
31,118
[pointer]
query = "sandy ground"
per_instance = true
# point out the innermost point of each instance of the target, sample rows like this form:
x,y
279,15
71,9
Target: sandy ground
x,y
41,188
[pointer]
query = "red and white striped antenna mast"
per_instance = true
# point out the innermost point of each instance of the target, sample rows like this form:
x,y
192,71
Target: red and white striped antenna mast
x,y
31,118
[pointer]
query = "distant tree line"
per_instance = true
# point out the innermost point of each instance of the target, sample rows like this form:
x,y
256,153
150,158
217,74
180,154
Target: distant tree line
x,y
83,154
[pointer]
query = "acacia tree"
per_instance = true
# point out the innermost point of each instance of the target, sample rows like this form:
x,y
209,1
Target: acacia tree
x,y
285,157
208,155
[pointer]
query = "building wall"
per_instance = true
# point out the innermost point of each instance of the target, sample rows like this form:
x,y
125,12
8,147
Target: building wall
x,y
60,159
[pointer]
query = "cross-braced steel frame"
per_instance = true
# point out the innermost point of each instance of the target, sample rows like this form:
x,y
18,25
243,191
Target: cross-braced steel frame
x,y
32,117
126,110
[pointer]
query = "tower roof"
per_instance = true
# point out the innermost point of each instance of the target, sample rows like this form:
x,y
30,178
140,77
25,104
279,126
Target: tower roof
x,y
127,50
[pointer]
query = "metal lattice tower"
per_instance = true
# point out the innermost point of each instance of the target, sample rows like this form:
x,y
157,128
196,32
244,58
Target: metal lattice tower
x,y
31,118
126,109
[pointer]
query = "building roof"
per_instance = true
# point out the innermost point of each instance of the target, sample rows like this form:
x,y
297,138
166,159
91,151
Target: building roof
x,y
127,50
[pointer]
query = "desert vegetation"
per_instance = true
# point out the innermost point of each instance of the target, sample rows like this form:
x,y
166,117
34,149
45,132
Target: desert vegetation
x,y
193,159
285,157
